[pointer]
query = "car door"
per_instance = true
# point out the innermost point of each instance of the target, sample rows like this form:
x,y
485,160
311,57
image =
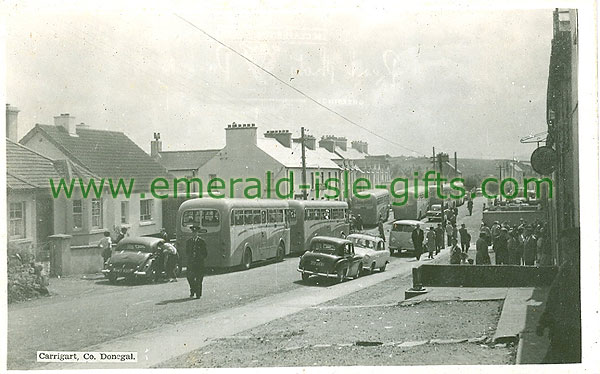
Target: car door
x,y
354,261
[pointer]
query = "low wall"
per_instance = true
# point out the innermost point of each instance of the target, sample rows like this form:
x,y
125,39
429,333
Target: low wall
x,y
512,216
485,275
85,260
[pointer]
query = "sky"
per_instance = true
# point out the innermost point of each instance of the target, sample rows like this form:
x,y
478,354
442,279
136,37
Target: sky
x,y
467,81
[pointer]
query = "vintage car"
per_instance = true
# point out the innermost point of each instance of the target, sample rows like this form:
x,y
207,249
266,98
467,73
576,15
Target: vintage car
x,y
401,235
330,257
372,250
435,213
132,258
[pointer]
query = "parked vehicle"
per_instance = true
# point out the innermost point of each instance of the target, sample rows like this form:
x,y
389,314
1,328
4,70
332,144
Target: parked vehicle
x,y
401,236
310,218
132,258
371,208
434,213
372,250
237,232
411,208
330,257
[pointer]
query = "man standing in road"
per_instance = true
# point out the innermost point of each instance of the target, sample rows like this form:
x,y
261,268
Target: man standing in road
x,y
449,232
417,238
380,227
465,238
482,257
529,247
439,238
196,254
431,242
359,222
170,252
470,206
106,244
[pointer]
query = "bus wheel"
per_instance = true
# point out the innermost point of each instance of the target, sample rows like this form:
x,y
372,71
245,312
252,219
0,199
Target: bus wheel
x,y
280,252
247,259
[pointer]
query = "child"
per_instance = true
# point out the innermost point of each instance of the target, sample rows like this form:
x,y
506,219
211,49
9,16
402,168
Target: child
x,y
105,243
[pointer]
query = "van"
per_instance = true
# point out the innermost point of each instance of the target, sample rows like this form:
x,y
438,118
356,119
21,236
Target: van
x,y
401,235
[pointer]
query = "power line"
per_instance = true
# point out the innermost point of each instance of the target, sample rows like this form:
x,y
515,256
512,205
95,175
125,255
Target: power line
x,y
296,89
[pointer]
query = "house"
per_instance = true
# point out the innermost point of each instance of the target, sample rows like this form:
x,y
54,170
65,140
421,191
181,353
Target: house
x,y
109,155
33,214
263,161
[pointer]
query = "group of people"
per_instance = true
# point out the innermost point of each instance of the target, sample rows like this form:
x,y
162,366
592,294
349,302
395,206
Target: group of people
x,y
517,244
433,240
106,243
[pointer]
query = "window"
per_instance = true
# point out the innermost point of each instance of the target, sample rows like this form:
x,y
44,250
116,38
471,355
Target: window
x,y
77,214
146,207
248,217
124,211
256,214
96,213
210,218
16,224
204,218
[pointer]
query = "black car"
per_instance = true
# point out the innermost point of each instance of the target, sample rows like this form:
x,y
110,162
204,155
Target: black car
x,y
330,257
133,258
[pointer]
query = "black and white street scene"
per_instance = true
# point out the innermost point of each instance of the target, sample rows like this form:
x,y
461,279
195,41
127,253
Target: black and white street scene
x,y
295,185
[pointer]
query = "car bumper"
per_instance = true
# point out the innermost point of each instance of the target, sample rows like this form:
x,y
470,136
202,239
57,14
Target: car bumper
x,y
310,272
124,273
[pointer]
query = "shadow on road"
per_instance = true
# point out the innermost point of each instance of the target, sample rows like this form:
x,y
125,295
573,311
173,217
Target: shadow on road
x,y
175,301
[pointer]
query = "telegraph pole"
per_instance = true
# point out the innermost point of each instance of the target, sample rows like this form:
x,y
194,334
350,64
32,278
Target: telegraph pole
x,y
304,196
499,181
433,159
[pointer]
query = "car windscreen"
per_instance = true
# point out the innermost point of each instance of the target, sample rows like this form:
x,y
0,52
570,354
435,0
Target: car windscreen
x,y
134,247
321,247
402,228
364,243
436,207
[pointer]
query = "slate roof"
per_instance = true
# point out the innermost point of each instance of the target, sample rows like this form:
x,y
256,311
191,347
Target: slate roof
x,y
108,154
350,154
292,157
186,160
27,169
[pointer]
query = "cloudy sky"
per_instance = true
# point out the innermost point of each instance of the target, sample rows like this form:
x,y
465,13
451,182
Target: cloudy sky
x,y
467,81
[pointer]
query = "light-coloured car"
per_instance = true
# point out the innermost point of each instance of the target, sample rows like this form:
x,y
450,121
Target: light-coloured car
x,y
372,250
434,213
401,235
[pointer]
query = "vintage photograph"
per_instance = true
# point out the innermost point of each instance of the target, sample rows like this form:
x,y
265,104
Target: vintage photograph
x,y
295,185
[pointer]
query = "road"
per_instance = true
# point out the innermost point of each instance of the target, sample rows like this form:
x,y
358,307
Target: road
x,y
88,313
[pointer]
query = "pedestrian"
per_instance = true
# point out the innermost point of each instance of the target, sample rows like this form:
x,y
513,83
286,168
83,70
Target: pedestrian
x,y
439,238
514,253
163,235
562,314
449,232
487,233
170,252
159,262
418,237
465,238
196,254
455,253
501,247
482,256
122,234
529,246
359,222
470,206
106,244
495,231
431,242
380,227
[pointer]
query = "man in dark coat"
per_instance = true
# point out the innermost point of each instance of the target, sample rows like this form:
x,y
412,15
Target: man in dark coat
x,y
465,238
501,247
470,206
380,228
439,238
418,237
196,254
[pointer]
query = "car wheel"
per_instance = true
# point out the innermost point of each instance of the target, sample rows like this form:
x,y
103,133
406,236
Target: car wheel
x,y
382,269
372,268
247,259
305,276
112,278
280,252
341,274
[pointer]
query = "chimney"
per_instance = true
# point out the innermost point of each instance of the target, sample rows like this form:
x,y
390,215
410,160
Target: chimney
x,y
282,136
310,142
361,146
11,123
240,135
156,146
327,142
82,126
67,122
341,142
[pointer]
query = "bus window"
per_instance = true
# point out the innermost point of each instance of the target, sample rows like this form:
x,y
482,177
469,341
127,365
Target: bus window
x,y
292,216
210,218
191,218
279,215
256,216
239,217
263,216
232,215
326,214
248,218
270,216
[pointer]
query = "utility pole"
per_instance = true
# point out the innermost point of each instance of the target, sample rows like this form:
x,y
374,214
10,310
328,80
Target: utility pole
x,y
304,196
433,159
499,181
